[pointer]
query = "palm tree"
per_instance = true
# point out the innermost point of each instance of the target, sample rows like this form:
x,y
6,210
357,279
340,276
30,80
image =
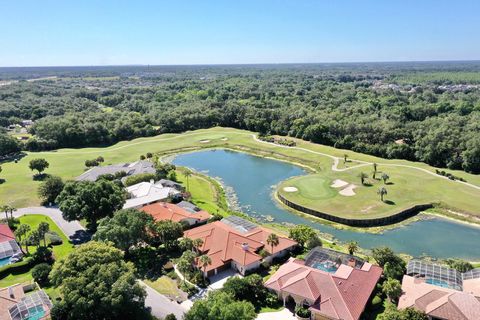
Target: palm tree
x,y
188,174
205,261
43,228
5,210
374,169
363,176
385,177
382,192
197,243
273,240
21,232
352,246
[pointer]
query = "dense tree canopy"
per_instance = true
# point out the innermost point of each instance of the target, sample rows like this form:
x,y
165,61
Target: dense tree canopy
x,y
219,305
420,112
96,283
125,229
90,200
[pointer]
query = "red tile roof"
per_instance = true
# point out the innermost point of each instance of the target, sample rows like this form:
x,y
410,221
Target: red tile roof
x,y
439,302
223,244
168,211
5,233
334,297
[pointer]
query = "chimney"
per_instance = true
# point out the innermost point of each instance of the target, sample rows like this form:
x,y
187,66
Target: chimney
x,y
351,262
245,246
10,293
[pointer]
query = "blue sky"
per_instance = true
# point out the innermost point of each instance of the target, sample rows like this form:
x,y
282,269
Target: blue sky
x,y
113,32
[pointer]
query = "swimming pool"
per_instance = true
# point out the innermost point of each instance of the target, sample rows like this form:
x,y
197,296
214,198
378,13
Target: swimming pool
x,y
4,261
439,283
325,267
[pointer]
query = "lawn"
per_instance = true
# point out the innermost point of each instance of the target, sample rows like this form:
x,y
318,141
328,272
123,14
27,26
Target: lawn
x,y
206,193
166,286
410,185
60,251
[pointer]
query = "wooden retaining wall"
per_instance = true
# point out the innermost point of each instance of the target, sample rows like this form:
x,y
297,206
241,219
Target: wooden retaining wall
x,y
375,222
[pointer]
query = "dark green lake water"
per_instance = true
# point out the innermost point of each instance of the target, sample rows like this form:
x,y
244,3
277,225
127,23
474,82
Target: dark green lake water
x,y
253,179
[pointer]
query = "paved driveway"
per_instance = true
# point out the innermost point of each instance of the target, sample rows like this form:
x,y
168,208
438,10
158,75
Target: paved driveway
x,y
160,305
284,314
72,229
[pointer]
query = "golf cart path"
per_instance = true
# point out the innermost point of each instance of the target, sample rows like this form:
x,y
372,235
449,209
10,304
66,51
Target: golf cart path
x,y
336,161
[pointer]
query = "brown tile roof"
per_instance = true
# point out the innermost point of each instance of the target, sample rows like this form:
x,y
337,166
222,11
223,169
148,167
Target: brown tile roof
x,y
168,211
5,233
224,244
334,297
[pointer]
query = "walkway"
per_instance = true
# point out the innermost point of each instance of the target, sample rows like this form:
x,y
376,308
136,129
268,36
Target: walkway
x,y
72,229
160,305
283,314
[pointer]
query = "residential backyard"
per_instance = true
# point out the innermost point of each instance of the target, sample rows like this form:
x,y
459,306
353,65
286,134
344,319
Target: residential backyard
x,y
59,251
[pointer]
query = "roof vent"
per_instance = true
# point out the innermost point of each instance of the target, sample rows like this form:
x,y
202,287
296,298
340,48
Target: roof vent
x,y
10,293
245,246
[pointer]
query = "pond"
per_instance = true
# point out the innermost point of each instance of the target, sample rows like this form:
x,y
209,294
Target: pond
x,y
252,181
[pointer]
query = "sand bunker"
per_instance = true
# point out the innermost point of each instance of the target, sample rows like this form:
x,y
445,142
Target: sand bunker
x,y
338,183
348,191
290,189
204,141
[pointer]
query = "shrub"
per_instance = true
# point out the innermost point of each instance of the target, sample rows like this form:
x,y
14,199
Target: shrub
x,y
142,177
376,301
302,312
53,238
43,254
170,316
40,273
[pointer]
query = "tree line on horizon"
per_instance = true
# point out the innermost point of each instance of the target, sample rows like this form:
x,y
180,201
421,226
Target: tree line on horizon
x,y
420,121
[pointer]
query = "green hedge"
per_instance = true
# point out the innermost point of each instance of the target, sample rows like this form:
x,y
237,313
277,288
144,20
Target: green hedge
x,y
16,268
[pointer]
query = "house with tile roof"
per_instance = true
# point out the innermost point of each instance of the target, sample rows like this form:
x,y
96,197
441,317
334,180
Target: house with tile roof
x,y
130,169
10,251
19,302
340,293
6,233
441,292
169,211
232,245
144,193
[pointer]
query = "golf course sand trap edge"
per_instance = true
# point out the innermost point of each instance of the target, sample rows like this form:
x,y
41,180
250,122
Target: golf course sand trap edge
x,y
290,189
348,191
337,183
204,141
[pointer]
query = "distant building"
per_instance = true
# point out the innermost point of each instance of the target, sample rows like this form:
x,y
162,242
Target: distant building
x,y
236,243
442,293
27,123
145,193
324,283
16,303
168,211
130,169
